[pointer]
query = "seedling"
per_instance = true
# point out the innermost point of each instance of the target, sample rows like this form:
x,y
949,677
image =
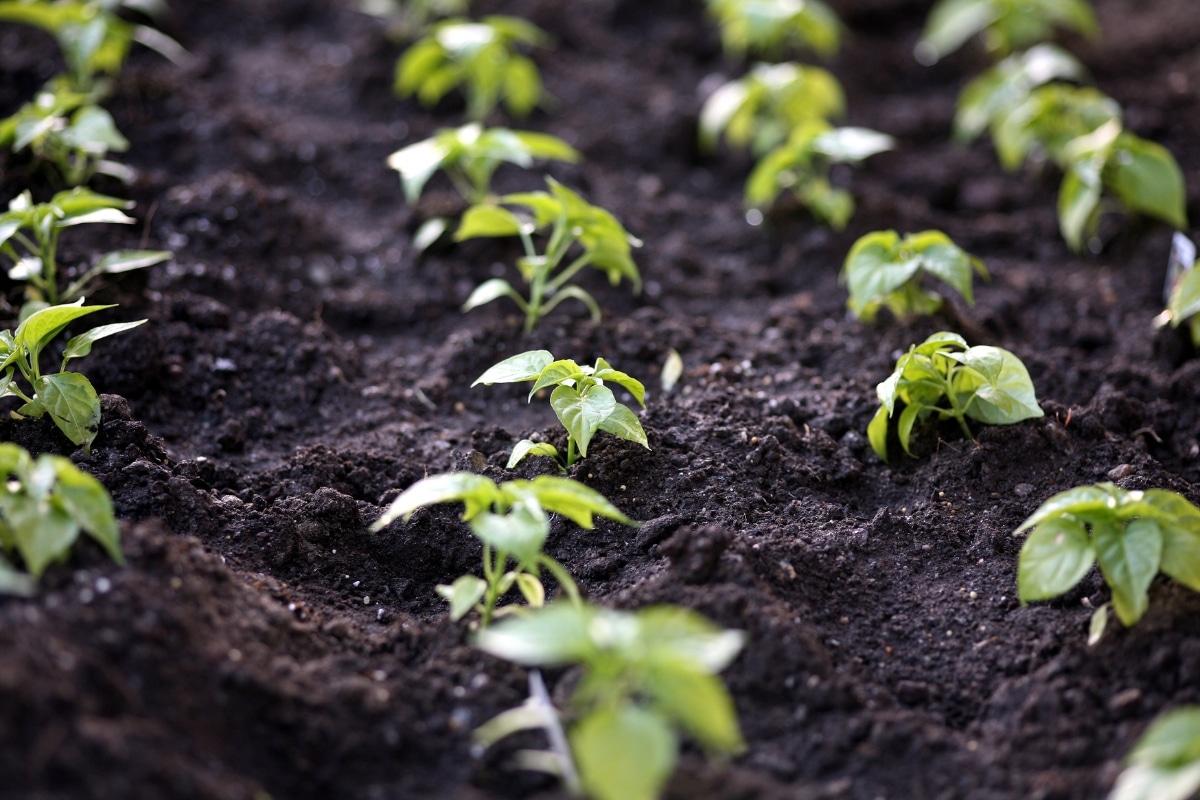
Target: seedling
x,y
44,505
885,271
483,58
942,376
581,401
29,235
802,165
1051,117
67,131
770,27
511,519
1165,762
760,110
94,39
569,220
408,19
1132,534
646,676
67,397
470,156
1006,25
1183,306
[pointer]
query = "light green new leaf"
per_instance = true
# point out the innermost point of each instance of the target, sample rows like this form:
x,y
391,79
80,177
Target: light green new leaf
x,y
525,366
561,371
35,332
492,289
522,531
573,500
553,636
73,404
526,448
1082,502
487,221
877,432
1172,741
416,165
624,424
1129,559
1055,557
81,345
1006,396
624,753
475,491
462,595
583,412
43,533
87,502
1078,204
129,260
699,703
1145,782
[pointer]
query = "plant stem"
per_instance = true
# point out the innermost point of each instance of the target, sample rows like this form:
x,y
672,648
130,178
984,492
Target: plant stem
x,y
563,577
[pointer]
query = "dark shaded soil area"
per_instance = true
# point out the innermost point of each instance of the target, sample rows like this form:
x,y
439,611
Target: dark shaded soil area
x,y
301,366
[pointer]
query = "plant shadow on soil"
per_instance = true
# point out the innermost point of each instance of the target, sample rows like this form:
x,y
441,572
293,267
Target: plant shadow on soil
x,y
302,366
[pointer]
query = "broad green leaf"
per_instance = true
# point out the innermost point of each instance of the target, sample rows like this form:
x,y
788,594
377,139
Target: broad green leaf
x,y
43,533
1173,740
487,221
522,86
87,502
950,24
1147,179
541,145
553,636
128,260
416,64
624,424
877,432
525,366
81,345
941,340
557,372
699,703
1181,537
582,412
908,418
1146,782
1129,559
605,372
1007,395
492,289
93,131
474,491
531,589
718,110
82,202
462,595
522,531
678,635
573,500
1082,502
35,332
1055,557
623,753
525,448
416,165
73,404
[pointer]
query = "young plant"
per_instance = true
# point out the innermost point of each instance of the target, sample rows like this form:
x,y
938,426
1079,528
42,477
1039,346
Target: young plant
x,y
759,110
769,27
885,271
44,505
1132,534
802,166
483,58
1183,306
1047,120
1165,762
646,676
29,236
942,376
581,401
1006,25
511,520
569,220
67,131
67,397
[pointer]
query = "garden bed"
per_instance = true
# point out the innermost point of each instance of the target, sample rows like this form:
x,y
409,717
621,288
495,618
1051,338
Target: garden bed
x,y
302,365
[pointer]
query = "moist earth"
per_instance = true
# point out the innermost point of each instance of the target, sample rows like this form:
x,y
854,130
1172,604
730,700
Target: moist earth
x,y
302,364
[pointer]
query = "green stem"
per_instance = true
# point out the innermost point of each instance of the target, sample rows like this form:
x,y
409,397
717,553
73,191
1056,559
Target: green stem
x,y
957,411
563,577
569,272
572,451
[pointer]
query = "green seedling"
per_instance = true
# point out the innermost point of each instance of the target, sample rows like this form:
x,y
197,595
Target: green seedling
x,y
994,95
801,165
512,521
568,220
1006,25
1131,534
67,397
646,676
759,111
886,271
29,236
1183,306
94,40
1165,762
1048,120
67,131
771,27
44,505
942,376
581,401
408,19
481,57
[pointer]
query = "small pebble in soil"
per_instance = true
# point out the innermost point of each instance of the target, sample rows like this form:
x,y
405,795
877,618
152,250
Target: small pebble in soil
x,y
1023,489
1120,471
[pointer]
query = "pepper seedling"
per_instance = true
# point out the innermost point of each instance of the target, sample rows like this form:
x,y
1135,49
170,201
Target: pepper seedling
x,y
29,236
511,520
67,397
759,110
1165,762
942,376
802,164
886,271
1131,534
770,27
44,505
481,57
581,401
646,676
1006,25
569,221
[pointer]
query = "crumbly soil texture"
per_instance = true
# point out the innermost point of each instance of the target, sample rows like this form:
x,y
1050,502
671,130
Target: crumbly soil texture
x,y
302,364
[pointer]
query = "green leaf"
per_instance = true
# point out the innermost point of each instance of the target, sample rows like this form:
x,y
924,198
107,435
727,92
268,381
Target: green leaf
x,y
950,24
552,636
699,703
1097,625
474,491
877,433
1055,557
555,373
1129,559
129,260
522,531
526,448
522,86
678,635
1145,782
43,533
462,595
15,583
1147,179
525,366
81,345
487,221
1181,537
1173,740
1006,395
492,289
605,372
1078,206
624,753
1088,502
573,500
582,412
36,332
87,502
531,589
541,145
908,418
73,404
416,165
624,424
851,145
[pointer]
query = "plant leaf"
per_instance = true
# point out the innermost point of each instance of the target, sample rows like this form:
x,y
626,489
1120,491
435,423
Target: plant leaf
x,y
699,703
624,753
552,636
1006,395
73,404
525,448
574,500
1129,559
1055,557
582,412
474,491
81,345
522,531
624,424
462,595
525,366
87,502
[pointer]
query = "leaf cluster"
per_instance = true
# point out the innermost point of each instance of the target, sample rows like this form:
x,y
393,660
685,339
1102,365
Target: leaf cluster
x,y
1131,534
1165,762
44,505
481,57
771,27
802,163
1183,306
942,376
29,234
1006,25
646,675
884,270
580,399
512,521
568,221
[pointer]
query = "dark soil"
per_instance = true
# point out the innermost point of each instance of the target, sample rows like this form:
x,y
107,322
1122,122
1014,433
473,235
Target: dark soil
x,y
301,366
